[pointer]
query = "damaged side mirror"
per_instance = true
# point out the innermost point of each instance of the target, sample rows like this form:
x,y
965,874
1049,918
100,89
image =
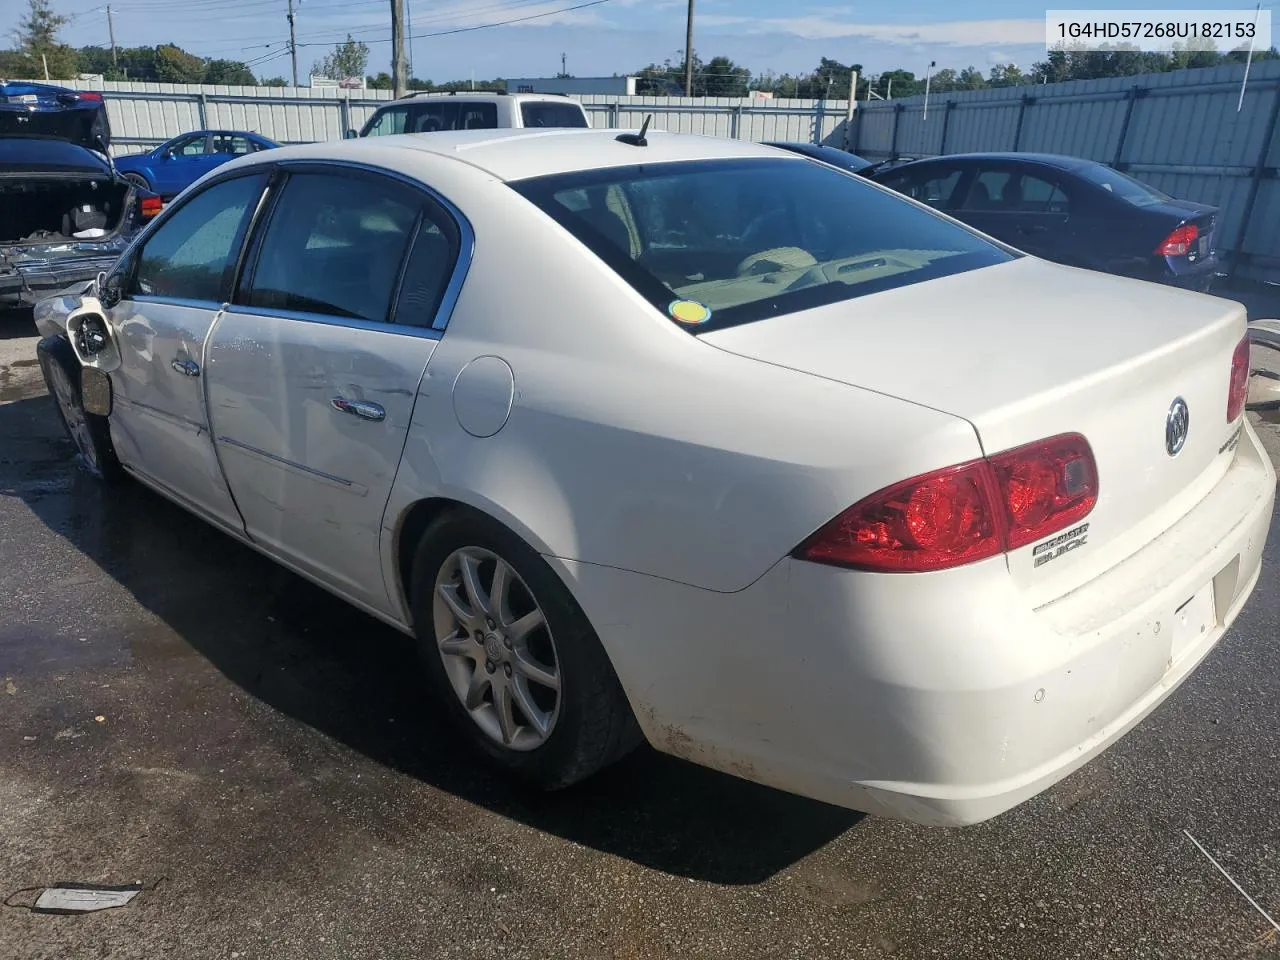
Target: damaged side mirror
x,y
91,337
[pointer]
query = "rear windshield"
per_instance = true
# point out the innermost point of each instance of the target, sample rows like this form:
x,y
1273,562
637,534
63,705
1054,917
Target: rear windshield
x,y
535,113
1122,185
721,242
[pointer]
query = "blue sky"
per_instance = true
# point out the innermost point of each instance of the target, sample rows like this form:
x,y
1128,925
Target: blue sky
x,y
612,36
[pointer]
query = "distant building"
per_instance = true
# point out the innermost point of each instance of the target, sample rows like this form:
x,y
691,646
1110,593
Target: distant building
x,y
347,83
620,86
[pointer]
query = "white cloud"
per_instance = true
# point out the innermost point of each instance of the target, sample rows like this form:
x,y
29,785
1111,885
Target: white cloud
x,y
964,33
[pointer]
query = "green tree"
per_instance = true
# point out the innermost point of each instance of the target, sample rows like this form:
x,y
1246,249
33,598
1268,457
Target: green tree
x,y
970,78
944,81
229,72
175,65
381,82
1007,75
348,59
138,63
904,84
37,38
721,77
274,82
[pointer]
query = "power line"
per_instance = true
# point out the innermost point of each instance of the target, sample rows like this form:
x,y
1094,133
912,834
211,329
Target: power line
x,y
483,26
441,16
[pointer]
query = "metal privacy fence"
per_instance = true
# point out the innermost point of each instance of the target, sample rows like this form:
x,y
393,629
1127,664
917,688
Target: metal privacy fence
x,y
146,114
1180,132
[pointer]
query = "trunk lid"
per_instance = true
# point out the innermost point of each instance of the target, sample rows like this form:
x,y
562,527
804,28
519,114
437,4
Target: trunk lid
x,y
43,110
1027,350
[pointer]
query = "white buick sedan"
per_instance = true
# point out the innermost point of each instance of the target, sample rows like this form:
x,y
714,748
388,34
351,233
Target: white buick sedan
x,y
693,441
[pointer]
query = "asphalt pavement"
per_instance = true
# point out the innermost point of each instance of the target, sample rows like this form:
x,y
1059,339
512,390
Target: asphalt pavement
x,y
177,710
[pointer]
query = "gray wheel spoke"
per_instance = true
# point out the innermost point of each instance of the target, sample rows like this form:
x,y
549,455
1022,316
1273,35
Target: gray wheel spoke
x,y
469,568
530,622
459,645
506,718
475,691
541,721
464,615
501,587
532,670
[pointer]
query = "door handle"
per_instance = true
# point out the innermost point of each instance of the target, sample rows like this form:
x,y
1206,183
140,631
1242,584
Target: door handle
x,y
364,409
187,367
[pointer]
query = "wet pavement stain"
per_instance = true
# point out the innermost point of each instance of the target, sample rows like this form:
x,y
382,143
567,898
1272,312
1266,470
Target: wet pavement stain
x,y
266,752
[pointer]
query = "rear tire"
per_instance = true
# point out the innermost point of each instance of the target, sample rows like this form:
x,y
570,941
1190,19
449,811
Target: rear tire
x,y
519,668
91,434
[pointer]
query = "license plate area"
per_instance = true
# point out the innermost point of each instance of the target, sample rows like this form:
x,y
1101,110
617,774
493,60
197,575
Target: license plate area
x,y
1192,621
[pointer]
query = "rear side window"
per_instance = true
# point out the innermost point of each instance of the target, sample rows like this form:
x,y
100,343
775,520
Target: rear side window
x,y
435,116
734,241
192,254
535,113
1014,191
334,246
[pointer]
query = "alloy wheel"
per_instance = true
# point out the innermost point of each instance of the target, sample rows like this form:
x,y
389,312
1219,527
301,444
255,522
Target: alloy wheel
x,y
497,648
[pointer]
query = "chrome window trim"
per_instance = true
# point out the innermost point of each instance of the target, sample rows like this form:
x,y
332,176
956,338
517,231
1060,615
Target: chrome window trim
x,y
354,323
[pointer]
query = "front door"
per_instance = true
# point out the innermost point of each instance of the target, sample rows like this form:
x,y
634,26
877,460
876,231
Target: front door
x,y
174,287
314,371
183,164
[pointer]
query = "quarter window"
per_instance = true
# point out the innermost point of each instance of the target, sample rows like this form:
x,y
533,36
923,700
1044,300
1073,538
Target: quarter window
x,y
334,246
192,254
427,273
387,122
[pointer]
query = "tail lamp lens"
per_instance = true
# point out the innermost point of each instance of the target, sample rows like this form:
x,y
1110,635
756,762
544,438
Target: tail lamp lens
x,y
964,513
1238,392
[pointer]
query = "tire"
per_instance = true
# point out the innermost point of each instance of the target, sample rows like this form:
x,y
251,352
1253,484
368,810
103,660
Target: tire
x,y
587,722
91,434
138,180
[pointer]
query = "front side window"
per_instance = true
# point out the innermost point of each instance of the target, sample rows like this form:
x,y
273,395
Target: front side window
x,y
545,113
933,187
754,238
334,246
192,254
388,122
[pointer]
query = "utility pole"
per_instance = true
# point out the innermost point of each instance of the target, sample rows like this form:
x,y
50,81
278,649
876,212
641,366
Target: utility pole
x,y
293,42
408,25
688,53
927,77
853,103
564,70
111,29
398,81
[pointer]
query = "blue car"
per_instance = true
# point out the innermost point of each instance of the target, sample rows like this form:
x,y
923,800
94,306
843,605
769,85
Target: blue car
x,y
173,166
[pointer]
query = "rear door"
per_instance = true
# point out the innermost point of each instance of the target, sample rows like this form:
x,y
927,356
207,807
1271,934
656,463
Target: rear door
x,y
1024,205
175,286
315,370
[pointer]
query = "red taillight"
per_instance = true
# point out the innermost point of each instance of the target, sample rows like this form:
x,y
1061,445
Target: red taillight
x,y
91,96
964,513
1045,487
150,206
1238,392
1179,243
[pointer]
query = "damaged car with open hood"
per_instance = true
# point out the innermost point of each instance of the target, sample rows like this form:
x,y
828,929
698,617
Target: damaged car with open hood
x,y
66,213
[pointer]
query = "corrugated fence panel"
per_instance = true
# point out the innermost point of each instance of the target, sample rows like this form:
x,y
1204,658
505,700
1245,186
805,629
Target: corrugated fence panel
x,y
1181,131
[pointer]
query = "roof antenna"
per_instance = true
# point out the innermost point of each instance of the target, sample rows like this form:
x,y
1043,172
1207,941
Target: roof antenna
x,y
636,139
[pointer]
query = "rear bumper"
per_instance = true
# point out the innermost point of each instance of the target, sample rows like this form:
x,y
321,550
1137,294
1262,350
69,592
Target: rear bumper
x,y
941,699
24,283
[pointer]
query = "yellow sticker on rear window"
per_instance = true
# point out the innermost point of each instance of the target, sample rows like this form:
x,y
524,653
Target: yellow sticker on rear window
x,y
689,311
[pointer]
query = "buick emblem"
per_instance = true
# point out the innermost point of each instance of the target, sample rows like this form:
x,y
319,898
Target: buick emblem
x,y
1176,426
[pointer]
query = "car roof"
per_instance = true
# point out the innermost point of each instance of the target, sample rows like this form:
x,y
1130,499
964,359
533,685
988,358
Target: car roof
x,y
517,154
485,96
1048,159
